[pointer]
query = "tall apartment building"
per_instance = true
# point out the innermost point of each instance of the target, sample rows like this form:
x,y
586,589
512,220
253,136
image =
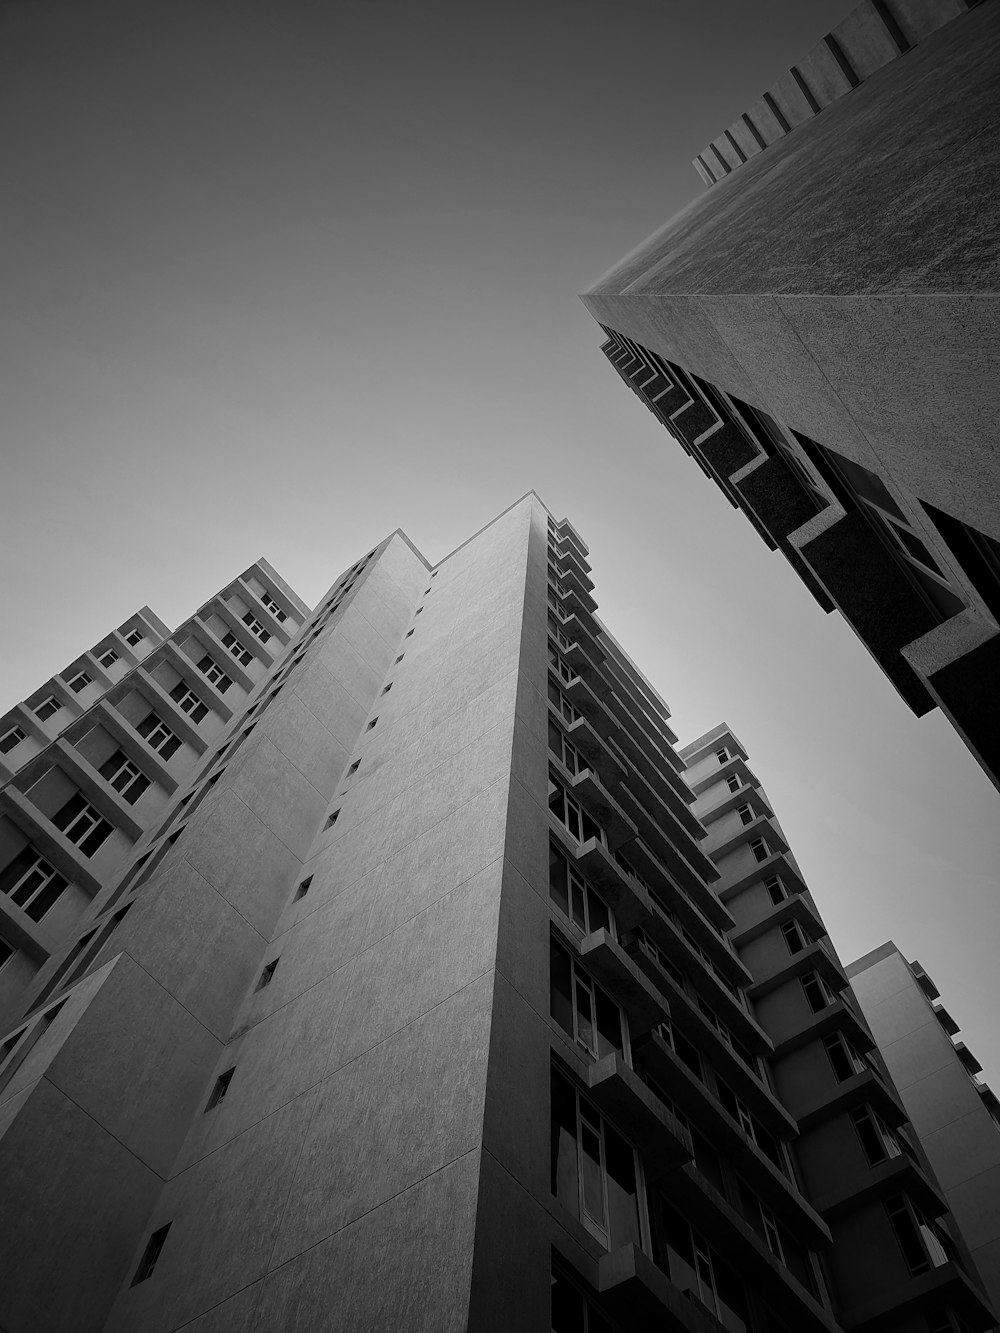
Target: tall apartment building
x,y
446,993
956,1114
818,332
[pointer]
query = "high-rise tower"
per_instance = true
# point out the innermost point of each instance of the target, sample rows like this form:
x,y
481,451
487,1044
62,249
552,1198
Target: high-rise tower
x,y
446,994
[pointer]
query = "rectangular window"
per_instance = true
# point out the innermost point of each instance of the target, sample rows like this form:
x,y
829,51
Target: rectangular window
x,y
233,646
158,736
150,1255
134,636
188,702
31,883
925,1243
109,657
733,782
221,1088
817,992
124,776
582,1008
776,890
572,815
214,674
574,897
256,628
82,824
562,705
568,755
47,708
722,755
561,667
7,951
760,849
332,818
79,682
844,1058
593,1169
793,936
275,610
877,1139
11,739
746,814
685,1050
302,889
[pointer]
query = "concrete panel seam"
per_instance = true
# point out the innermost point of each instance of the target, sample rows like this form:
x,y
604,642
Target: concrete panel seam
x,y
44,1078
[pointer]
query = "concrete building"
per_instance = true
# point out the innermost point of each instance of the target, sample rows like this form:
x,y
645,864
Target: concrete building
x,y
445,993
818,330
955,1114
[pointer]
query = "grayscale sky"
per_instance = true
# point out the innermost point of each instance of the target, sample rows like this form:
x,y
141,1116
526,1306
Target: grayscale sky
x,y
281,277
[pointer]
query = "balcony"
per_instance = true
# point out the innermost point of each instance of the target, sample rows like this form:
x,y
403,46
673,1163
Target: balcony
x,y
581,630
779,864
617,1090
813,958
864,1087
586,701
701,901
638,1293
587,670
896,1175
663,805
946,1285
595,798
599,757
836,1016
724,844
795,908
608,963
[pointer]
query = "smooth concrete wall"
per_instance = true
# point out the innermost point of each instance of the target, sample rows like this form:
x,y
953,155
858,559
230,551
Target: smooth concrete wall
x,y
337,1183
959,1136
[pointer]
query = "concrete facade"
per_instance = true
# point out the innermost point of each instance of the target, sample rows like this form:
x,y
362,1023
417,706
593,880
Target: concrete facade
x,y
448,994
956,1115
832,305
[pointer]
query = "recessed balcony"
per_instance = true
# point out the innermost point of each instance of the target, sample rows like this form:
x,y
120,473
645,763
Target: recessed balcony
x,y
616,1089
605,960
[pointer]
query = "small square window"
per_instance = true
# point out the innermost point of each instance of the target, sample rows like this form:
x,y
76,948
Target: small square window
x,y
331,819
267,975
760,849
371,724
12,738
79,682
303,889
733,782
722,755
108,658
133,637
221,1088
150,1255
746,814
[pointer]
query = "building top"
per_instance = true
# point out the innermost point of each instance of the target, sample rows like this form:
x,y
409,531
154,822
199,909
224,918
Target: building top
x,y
911,142
872,35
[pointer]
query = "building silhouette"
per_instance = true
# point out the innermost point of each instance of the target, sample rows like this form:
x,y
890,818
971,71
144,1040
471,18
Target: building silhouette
x,y
818,331
427,984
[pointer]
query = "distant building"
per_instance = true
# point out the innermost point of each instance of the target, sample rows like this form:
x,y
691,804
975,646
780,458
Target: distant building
x,y
956,1116
819,331
439,991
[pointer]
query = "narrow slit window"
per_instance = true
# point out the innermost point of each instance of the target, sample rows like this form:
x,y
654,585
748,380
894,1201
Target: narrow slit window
x,y
303,889
354,767
221,1088
150,1255
371,724
332,818
267,975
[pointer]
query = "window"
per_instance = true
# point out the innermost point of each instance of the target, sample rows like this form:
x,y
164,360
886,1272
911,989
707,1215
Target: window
x,y
302,889
696,1269
560,666
387,688
82,824
568,755
233,646
214,674
331,819
771,1233
582,1008
188,702
398,660
572,1312
124,777
267,975
572,815
109,657
11,739
7,951
722,755
354,767
776,890
593,1169
47,708
408,633
221,1088
760,849
79,682
878,1141
274,608
158,736
793,936
31,883
844,1058
818,993
150,1255
574,897
562,705
685,1050
371,724
733,782
255,627
746,814
134,636
419,611
947,1321
925,1243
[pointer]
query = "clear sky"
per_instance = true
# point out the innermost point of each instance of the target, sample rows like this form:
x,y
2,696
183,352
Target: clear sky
x,y
281,277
